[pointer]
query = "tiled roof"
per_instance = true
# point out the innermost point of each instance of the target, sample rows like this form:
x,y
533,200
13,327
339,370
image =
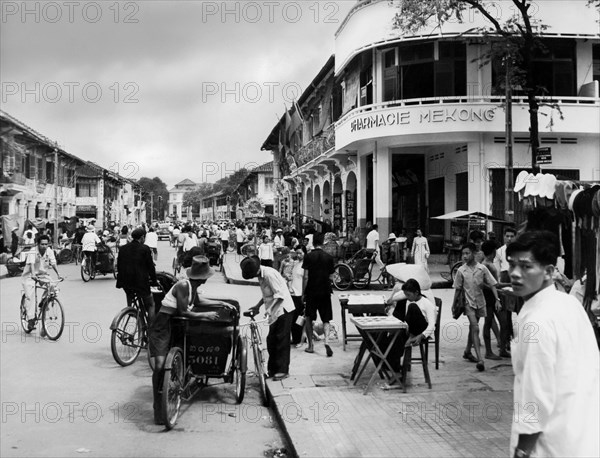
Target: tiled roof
x,y
186,182
266,167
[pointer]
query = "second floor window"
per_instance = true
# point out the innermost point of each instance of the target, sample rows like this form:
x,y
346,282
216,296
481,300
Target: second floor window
x,y
424,70
87,189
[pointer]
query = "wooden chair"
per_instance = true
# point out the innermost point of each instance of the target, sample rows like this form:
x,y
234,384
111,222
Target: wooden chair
x,y
424,350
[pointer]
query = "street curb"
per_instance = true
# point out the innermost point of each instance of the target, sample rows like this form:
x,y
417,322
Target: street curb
x,y
282,425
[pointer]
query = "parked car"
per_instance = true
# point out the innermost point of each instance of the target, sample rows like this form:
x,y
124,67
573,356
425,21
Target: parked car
x,y
163,232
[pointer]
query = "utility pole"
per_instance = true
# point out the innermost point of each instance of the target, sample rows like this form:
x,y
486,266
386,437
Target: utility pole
x,y
151,206
509,213
55,197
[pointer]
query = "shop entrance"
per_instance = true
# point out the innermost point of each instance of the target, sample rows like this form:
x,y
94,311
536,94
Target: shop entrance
x,y
408,193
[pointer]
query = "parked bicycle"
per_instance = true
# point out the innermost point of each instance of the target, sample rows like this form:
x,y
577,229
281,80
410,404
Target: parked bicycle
x,y
49,310
130,332
358,272
259,355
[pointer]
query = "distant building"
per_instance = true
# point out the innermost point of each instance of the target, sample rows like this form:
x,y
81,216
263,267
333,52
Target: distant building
x,y
259,187
177,210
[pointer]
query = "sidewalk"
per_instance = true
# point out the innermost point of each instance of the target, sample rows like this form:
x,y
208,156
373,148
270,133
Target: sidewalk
x,y
466,413
233,274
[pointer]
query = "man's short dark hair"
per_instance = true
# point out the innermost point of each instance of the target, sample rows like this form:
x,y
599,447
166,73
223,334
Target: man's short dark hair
x,y
138,233
488,247
510,229
43,237
543,245
470,245
318,238
476,235
375,227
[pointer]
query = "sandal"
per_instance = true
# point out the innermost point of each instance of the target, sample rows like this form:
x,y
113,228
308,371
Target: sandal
x,y
309,350
469,357
328,350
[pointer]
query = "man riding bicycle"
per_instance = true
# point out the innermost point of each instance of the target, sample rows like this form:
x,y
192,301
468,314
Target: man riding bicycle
x,y
89,248
36,265
136,272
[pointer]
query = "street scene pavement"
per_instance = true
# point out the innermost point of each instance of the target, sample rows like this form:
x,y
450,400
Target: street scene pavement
x,y
70,397
465,413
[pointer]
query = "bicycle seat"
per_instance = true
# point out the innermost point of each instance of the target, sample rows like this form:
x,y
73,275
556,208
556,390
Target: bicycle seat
x,y
250,313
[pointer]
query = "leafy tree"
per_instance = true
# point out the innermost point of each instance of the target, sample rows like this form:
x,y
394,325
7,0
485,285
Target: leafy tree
x,y
229,184
151,190
515,41
194,198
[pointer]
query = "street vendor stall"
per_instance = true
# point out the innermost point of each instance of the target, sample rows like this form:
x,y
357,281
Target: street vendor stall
x,y
571,210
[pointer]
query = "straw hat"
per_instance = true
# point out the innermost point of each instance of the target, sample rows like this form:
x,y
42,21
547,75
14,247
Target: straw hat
x,y
392,236
200,269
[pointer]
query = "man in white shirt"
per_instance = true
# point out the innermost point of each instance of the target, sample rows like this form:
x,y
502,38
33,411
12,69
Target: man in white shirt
x,y
239,238
373,245
508,302
555,359
152,242
88,246
224,235
36,265
278,307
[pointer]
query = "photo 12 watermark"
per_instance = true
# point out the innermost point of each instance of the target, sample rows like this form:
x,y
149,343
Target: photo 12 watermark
x,y
250,91
70,12
270,12
69,91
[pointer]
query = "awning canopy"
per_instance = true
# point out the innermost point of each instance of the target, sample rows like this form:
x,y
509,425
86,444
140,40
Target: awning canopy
x,y
463,215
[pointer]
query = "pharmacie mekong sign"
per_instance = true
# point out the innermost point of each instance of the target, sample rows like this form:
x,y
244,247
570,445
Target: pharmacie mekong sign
x,y
408,117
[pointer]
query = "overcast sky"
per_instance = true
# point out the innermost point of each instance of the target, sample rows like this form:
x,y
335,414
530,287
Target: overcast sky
x,y
140,87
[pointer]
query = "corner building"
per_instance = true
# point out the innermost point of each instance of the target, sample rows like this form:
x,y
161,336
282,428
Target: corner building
x,y
422,123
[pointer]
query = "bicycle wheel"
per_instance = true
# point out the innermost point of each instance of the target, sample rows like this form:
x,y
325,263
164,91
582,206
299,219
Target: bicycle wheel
x,y
65,256
85,270
173,384
240,370
342,277
176,266
53,318
454,270
24,321
259,366
125,340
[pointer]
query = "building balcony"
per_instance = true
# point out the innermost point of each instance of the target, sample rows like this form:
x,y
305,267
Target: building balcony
x,y
433,120
316,147
10,177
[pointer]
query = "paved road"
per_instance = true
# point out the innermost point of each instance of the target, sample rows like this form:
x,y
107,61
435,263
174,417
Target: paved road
x,y
70,398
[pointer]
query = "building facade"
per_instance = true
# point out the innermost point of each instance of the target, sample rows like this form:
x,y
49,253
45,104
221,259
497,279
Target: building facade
x,y
177,210
37,178
419,121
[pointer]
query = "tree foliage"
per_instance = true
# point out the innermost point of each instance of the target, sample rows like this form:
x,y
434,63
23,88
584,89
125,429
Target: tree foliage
x,y
515,41
229,185
151,190
194,198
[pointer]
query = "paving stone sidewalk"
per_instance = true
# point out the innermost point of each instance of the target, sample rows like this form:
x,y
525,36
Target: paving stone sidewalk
x,y
466,413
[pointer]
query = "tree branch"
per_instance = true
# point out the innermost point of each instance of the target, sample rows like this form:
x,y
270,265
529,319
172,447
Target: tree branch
x,y
479,7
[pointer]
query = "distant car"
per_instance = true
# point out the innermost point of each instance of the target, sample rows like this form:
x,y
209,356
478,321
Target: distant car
x,y
163,232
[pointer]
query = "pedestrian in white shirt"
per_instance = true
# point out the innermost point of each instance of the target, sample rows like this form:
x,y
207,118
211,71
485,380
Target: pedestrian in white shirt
x,y
88,245
555,359
224,235
239,238
373,245
152,242
508,303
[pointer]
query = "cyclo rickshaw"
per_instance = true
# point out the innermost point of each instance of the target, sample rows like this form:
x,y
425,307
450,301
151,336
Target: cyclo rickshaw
x,y
202,350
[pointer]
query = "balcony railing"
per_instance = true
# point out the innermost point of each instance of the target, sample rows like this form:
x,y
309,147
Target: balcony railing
x,y
12,178
472,99
316,147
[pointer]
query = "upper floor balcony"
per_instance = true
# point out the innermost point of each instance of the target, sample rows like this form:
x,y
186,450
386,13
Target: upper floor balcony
x,y
318,146
432,120
370,24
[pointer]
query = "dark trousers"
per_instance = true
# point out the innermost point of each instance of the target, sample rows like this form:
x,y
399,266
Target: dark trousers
x,y
298,311
416,325
278,345
266,262
239,247
225,244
